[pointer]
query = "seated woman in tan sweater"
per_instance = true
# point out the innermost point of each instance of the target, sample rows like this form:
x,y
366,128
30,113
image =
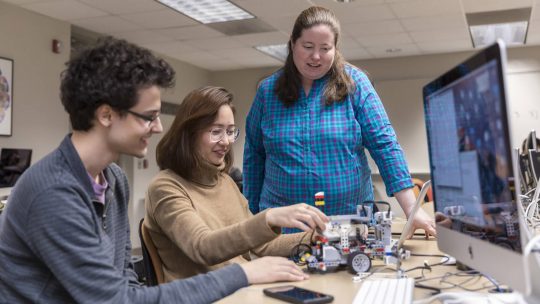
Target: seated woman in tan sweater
x,y
196,215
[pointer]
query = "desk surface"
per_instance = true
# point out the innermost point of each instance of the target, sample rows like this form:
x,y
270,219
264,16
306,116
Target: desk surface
x,y
341,285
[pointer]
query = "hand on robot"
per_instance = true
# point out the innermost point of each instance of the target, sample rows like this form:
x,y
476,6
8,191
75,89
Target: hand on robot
x,y
301,216
423,221
272,269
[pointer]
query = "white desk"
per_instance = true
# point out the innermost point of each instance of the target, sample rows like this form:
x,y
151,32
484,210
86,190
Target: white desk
x,y
340,284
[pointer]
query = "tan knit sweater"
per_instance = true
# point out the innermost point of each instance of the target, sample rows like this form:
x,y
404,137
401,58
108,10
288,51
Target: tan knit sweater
x,y
204,225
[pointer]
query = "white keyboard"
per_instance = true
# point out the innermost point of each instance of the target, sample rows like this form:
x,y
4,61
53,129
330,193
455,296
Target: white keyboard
x,y
385,291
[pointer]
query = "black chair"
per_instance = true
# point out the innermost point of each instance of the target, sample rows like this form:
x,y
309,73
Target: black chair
x,y
151,261
236,175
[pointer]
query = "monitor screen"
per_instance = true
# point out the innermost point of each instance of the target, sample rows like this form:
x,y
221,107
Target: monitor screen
x,y
471,166
13,162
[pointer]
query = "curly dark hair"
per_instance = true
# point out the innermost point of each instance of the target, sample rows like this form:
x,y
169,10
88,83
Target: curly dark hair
x,y
111,72
289,82
177,149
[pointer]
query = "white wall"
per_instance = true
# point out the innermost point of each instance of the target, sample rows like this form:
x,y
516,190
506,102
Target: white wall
x,y
39,122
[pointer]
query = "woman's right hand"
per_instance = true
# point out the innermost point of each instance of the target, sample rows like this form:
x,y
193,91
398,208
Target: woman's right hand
x,y
272,269
301,216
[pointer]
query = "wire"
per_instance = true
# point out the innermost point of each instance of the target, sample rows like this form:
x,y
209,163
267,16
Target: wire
x,y
435,289
385,203
447,258
297,252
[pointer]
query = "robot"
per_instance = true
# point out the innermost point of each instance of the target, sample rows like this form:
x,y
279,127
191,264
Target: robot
x,y
346,243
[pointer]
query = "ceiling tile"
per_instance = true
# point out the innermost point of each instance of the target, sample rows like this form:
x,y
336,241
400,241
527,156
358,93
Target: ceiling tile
x,y
434,22
440,35
475,6
348,42
20,2
535,13
262,61
220,65
533,34
262,38
384,40
261,8
445,46
143,37
365,13
159,19
238,53
106,24
533,40
337,6
120,7
64,9
355,54
374,27
419,8
190,32
405,50
198,58
172,49
284,24
215,43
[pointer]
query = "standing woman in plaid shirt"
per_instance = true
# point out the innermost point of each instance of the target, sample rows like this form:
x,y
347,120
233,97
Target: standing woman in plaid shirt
x,y
308,127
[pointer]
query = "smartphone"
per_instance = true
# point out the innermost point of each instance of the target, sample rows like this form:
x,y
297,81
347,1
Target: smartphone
x,y
293,294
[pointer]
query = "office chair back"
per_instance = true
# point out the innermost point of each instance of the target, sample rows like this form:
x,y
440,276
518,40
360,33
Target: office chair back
x,y
418,184
151,260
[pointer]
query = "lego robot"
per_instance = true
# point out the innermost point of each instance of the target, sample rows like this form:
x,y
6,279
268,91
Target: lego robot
x,y
346,243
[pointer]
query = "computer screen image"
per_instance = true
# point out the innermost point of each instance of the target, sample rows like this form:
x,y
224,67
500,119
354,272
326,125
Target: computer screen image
x,y
472,167
13,162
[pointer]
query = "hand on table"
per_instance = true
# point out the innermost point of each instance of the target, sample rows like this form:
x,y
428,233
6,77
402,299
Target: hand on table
x,y
272,269
423,221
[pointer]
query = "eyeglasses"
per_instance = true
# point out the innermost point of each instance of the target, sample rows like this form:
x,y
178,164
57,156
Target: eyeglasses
x,y
217,134
149,119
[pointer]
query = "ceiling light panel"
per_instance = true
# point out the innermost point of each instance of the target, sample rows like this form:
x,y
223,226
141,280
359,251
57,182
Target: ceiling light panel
x,y
512,33
208,11
278,51
509,25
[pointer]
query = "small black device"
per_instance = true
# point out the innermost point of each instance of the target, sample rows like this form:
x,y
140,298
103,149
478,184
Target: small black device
x,y
293,294
13,162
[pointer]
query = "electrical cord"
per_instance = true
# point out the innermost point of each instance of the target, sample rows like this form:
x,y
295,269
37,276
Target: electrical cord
x,y
387,204
447,258
300,249
435,289
473,277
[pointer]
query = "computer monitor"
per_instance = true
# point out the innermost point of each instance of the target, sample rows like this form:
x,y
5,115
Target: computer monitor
x,y
472,168
13,162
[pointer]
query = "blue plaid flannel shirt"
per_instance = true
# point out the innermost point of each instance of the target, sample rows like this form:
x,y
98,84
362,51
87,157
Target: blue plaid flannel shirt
x,y
293,152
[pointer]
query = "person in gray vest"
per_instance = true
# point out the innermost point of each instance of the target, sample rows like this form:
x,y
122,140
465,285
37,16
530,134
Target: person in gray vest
x,y
64,235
